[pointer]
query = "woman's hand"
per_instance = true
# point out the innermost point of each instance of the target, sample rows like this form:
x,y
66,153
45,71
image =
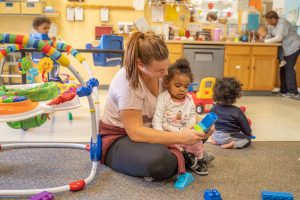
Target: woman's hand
x,y
190,136
210,132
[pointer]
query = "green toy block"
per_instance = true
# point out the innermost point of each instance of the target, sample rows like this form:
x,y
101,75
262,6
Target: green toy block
x,y
70,116
198,128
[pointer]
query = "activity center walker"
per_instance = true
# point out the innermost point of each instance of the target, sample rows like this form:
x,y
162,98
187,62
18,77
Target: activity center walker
x,y
17,108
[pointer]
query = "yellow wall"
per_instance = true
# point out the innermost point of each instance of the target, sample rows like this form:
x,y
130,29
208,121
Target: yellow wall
x,y
78,33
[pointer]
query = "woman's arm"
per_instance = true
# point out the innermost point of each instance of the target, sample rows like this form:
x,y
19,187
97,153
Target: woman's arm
x,y
133,124
281,31
277,38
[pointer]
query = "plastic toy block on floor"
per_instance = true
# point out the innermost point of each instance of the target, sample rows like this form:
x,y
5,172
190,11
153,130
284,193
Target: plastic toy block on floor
x,y
268,195
43,196
184,180
213,194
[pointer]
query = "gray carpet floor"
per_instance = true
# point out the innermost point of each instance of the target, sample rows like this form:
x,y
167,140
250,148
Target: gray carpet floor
x,y
237,174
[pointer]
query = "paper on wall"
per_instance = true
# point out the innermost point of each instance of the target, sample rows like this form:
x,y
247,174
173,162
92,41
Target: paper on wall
x,y
142,24
104,12
138,4
79,14
244,17
298,21
292,16
70,14
279,6
157,14
156,29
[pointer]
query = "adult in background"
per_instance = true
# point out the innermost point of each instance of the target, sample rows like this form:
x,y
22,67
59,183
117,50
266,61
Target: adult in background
x,y
284,32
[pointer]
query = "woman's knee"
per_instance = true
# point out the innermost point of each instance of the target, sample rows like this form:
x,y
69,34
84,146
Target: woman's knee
x,y
163,165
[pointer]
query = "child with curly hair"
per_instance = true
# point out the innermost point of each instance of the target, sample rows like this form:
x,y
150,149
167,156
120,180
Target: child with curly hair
x,y
232,127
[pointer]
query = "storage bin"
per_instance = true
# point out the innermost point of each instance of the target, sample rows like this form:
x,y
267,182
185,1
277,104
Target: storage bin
x,y
10,7
32,7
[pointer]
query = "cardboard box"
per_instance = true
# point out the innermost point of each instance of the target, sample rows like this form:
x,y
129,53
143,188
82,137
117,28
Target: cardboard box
x,y
32,7
10,7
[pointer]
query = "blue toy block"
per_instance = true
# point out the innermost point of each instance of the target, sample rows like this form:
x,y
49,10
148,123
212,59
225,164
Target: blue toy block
x,y
213,194
206,122
43,196
268,195
184,180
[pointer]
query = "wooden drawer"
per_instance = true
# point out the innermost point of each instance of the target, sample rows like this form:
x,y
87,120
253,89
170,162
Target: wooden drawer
x,y
10,7
175,48
237,49
260,51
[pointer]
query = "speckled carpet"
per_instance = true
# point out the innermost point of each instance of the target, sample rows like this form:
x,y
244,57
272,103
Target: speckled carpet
x,y
237,174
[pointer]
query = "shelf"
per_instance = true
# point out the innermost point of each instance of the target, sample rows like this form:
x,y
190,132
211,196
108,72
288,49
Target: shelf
x,y
11,75
95,6
31,15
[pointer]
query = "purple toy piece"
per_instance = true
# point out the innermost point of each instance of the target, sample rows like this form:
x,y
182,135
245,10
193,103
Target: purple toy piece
x,y
43,196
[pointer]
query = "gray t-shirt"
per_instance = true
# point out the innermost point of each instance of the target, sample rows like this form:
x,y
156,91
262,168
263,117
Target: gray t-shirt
x,y
122,96
291,40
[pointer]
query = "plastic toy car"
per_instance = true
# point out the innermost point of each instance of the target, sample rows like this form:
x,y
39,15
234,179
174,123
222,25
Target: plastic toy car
x,y
204,96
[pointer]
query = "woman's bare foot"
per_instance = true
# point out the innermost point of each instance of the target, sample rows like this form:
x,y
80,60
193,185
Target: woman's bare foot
x,y
213,141
230,145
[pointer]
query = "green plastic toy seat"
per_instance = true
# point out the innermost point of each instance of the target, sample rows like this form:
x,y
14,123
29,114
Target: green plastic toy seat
x,y
42,92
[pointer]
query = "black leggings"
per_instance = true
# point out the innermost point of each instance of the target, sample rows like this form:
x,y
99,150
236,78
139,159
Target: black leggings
x,y
288,82
141,159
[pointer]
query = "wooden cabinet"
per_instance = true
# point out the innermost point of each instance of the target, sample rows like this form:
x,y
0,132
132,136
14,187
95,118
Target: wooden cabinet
x,y
254,66
175,50
263,68
237,64
239,67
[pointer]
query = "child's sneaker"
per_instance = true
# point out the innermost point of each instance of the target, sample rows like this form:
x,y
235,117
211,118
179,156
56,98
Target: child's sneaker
x,y
198,166
282,63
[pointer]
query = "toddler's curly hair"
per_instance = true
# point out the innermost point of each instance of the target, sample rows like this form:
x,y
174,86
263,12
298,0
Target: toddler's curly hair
x,y
39,21
227,90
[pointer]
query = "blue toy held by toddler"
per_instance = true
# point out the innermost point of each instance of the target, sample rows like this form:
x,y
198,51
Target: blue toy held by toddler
x,y
206,123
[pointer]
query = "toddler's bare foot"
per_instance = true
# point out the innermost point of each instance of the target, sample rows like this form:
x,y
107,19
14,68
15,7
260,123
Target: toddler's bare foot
x,y
228,146
213,141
